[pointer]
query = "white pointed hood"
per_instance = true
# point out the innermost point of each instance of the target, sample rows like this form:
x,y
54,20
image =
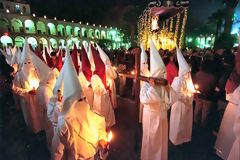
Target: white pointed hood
x,y
103,56
59,83
144,62
182,63
25,53
72,90
90,57
42,68
157,67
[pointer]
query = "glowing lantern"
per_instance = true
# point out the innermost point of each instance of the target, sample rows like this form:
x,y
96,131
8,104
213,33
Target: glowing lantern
x,y
34,83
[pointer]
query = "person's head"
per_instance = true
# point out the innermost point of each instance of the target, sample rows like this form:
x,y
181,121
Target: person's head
x,y
28,68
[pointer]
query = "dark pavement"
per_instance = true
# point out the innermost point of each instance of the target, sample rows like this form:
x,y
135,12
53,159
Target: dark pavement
x,y
17,143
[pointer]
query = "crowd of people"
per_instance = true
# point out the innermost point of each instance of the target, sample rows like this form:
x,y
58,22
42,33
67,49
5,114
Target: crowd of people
x,y
71,96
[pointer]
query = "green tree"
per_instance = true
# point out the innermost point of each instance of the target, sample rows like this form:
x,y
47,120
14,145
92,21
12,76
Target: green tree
x,y
229,12
217,20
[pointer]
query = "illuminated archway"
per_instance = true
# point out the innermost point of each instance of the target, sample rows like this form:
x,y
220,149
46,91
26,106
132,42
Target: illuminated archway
x,y
85,43
5,40
41,28
68,30
76,41
32,41
69,43
91,33
114,46
17,25
77,31
53,43
19,41
60,29
4,25
61,43
84,33
103,34
29,26
109,36
43,43
51,29
97,34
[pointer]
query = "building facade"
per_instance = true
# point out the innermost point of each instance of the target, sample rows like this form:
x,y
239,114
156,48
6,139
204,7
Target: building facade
x,y
17,22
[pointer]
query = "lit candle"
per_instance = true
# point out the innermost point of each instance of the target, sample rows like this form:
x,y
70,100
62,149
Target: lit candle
x,y
110,136
196,86
115,68
133,72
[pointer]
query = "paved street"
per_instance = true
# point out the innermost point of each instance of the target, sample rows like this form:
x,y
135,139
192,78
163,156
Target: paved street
x,y
18,143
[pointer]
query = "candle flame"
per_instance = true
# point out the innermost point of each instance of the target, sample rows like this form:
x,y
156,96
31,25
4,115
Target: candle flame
x,y
196,86
132,73
110,136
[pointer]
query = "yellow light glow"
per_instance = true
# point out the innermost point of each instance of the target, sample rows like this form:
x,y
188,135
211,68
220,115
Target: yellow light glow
x,y
110,136
115,68
133,72
196,86
34,83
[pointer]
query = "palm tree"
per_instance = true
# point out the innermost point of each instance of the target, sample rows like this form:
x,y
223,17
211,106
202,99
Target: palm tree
x,y
217,19
230,7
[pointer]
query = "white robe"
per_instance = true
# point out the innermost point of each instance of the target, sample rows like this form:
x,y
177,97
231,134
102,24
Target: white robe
x,y
111,75
53,111
102,106
226,136
87,91
44,93
78,134
155,123
235,150
181,118
31,110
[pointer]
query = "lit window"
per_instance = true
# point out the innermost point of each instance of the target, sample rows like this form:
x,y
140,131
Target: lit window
x,y
17,8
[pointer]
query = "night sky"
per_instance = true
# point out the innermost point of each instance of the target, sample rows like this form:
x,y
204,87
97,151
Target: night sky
x,y
116,13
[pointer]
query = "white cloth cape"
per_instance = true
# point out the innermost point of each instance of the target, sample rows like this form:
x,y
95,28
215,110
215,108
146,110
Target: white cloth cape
x,y
155,123
78,133
226,136
181,118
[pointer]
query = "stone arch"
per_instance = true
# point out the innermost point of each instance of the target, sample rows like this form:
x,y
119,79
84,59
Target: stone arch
x,y
69,43
4,23
16,25
51,29
97,34
77,31
43,43
84,33
32,41
41,28
109,36
68,30
5,40
85,43
61,43
29,26
53,43
103,34
19,41
76,41
60,30
91,33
